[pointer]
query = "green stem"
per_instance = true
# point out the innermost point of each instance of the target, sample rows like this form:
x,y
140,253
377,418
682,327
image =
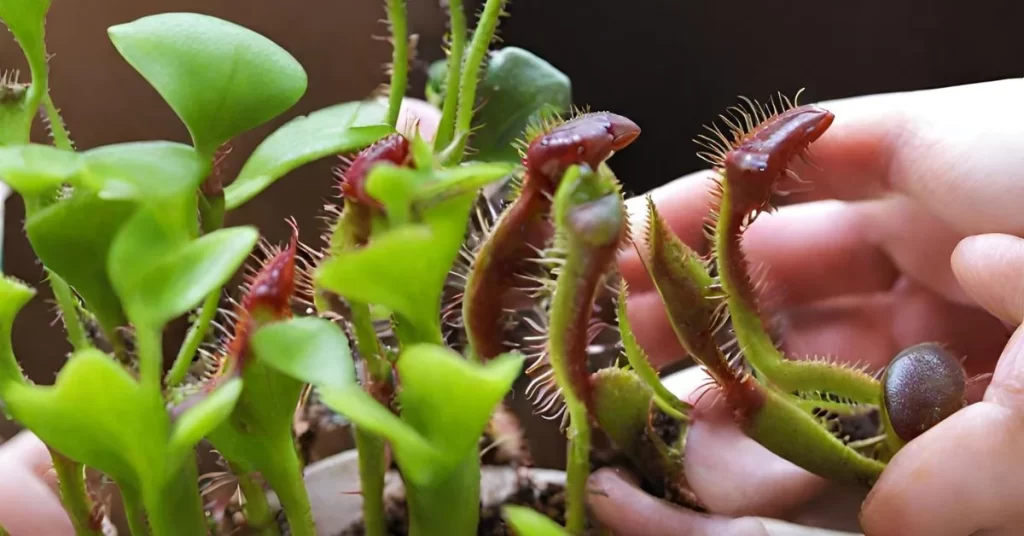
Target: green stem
x,y
470,77
285,477
73,494
400,60
258,516
372,468
57,129
577,468
134,513
196,334
68,306
151,355
450,506
446,126
758,347
3,532
176,508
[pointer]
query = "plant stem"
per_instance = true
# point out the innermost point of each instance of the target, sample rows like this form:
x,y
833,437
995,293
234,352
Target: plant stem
x,y
73,494
577,467
446,126
285,477
57,129
68,306
133,510
758,347
176,508
450,506
195,336
372,468
400,60
257,510
482,36
151,355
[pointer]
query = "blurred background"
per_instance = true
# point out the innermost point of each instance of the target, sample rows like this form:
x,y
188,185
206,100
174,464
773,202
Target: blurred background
x,y
670,66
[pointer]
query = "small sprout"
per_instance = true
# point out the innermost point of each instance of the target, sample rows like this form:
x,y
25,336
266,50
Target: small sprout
x,y
923,385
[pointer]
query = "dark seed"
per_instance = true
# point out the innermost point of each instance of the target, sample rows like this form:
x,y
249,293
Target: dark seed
x,y
923,385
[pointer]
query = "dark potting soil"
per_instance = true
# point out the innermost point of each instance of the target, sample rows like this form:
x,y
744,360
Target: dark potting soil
x,y
548,500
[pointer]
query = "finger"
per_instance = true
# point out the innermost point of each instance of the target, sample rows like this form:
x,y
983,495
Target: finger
x,y
683,204
28,451
870,330
950,149
28,505
734,475
989,268
418,114
960,477
622,507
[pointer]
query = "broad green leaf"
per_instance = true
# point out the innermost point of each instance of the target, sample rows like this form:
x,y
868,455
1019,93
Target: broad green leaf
x,y
160,274
462,180
448,399
518,89
403,270
144,171
220,78
73,237
310,349
26,19
526,521
195,423
97,414
338,129
35,170
14,295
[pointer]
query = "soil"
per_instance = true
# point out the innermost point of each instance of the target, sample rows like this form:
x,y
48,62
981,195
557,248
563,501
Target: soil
x,y
549,500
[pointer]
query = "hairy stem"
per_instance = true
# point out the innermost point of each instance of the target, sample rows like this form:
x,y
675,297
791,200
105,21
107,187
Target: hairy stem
x,y
195,336
57,129
470,75
74,495
258,516
446,126
68,306
400,60
372,467
757,345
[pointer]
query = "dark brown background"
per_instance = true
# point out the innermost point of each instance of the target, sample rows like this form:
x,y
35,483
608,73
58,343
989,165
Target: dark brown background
x,y
671,66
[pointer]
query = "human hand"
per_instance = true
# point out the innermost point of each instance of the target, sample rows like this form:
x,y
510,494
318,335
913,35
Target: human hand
x,y
29,498
909,235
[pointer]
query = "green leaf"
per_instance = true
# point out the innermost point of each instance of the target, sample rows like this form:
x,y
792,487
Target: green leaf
x,y
97,414
518,89
220,78
341,128
73,237
403,270
201,419
144,171
310,349
160,274
449,399
526,521
26,18
36,170
14,295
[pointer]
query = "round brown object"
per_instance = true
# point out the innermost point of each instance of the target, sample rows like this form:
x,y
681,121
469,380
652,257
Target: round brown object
x,y
923,385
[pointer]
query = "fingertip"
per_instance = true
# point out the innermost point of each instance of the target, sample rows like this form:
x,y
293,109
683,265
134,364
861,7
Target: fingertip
x,y
988,267
418,114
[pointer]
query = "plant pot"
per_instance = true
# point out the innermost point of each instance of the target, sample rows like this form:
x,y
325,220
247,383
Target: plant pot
x,y
333,485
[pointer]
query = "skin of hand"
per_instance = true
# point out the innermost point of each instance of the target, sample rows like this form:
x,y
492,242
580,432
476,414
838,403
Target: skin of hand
x,y
909,234
29,499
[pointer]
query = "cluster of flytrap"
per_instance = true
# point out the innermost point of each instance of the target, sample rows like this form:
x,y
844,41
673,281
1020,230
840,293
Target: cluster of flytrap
x,y
132,236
